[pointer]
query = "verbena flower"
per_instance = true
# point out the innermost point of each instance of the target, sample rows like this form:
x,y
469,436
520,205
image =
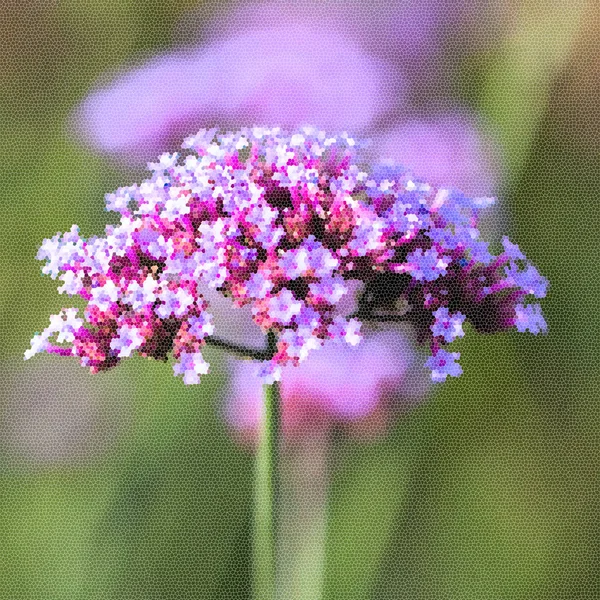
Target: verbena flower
x,y
277,64
287,225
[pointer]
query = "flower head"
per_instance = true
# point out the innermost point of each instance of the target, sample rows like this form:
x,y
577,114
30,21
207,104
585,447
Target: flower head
x,y
285,225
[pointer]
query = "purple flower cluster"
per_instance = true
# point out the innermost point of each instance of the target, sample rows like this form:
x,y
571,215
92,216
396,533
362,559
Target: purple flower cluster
x,y
286,225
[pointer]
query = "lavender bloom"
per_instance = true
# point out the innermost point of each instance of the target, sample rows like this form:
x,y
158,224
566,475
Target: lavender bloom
x,y
284,307
201,326
338,228
141,295
428,265
63,326
511,250
529,280
128,339
530,318
190,365
174,303
104,296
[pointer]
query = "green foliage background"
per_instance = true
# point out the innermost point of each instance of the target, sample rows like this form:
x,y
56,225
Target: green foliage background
x,y
488,491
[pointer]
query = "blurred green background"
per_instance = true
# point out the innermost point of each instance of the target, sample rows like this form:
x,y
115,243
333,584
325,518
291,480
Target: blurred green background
x,y
490,490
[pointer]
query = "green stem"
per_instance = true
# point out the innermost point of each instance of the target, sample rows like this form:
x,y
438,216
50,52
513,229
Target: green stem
x,y
267,494
303,527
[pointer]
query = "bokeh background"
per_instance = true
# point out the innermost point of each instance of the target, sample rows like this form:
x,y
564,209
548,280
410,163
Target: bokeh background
x,y
130,485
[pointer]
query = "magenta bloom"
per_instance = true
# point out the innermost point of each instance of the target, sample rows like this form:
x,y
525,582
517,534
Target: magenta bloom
x,y
339,384
287,226
287,76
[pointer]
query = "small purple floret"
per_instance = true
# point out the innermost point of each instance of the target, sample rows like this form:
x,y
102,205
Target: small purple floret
x,y
448,326
428,265
529,280
442,364
511,250
530,318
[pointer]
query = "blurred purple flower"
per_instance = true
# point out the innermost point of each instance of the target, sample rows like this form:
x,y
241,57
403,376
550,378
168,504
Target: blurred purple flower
x,y
447,150
411,28
329,64
402,32
283,76
339,384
